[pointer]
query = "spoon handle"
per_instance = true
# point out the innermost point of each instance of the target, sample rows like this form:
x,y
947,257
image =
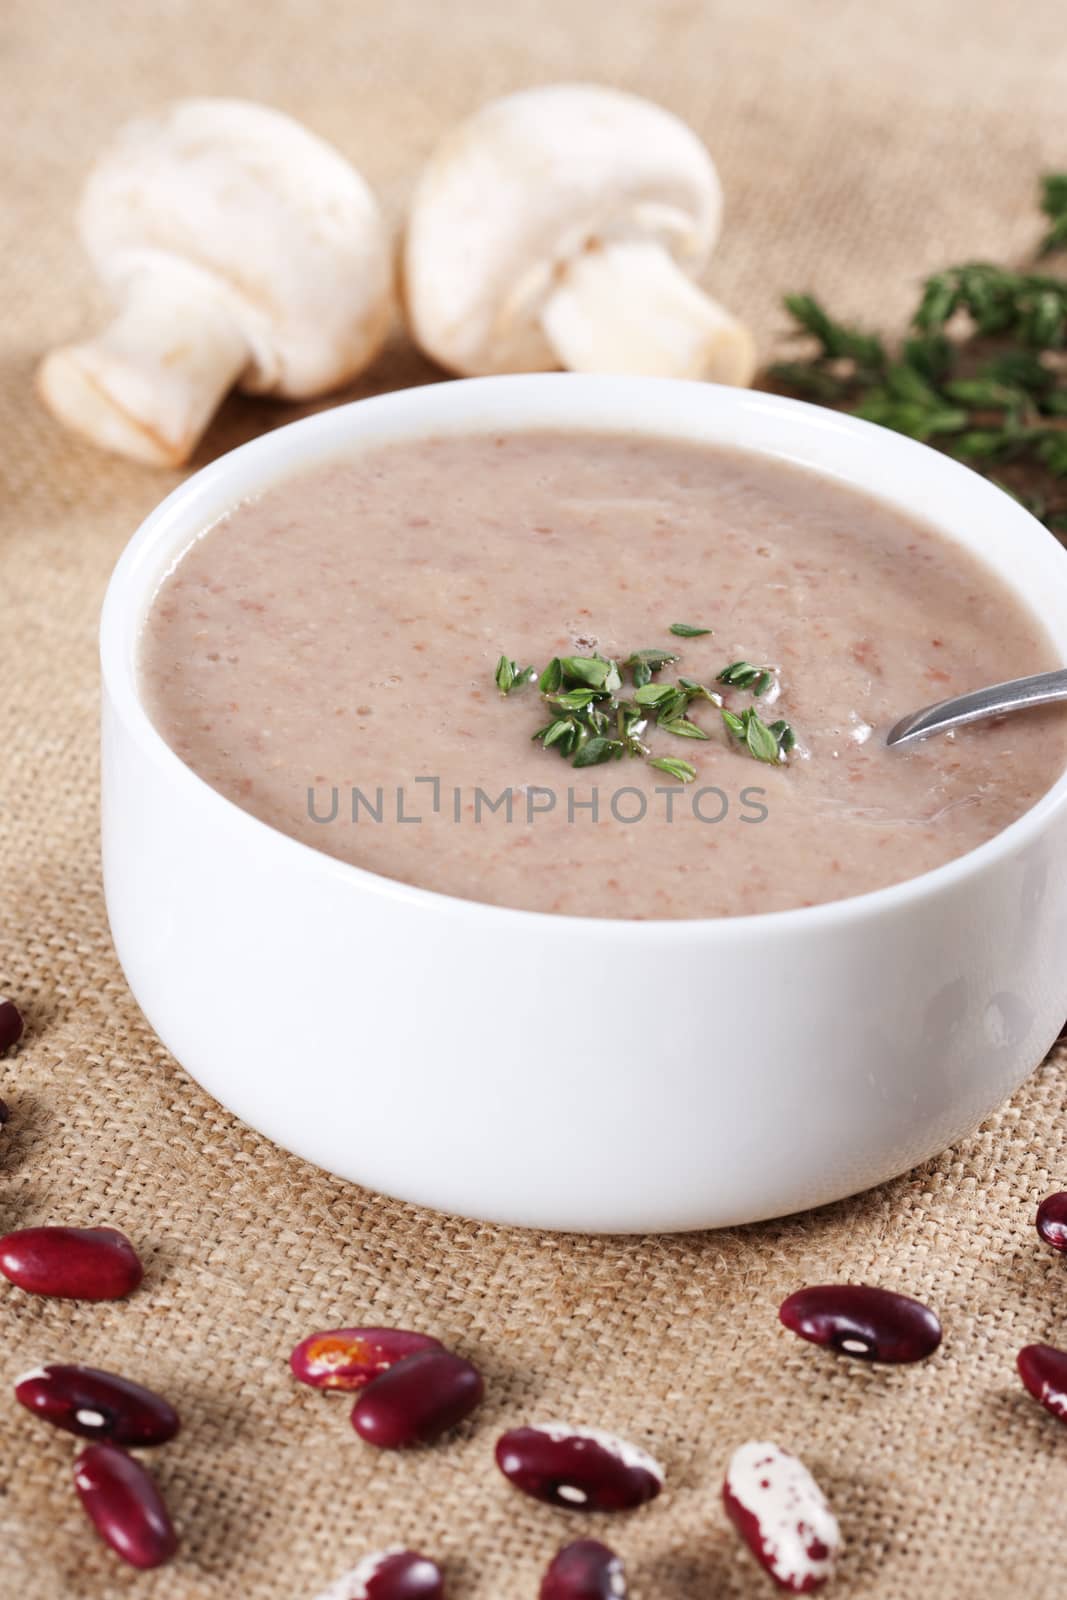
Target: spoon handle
x,y
1041,690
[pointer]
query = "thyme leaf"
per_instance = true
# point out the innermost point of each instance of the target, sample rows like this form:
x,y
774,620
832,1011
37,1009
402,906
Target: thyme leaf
x,y
981,375
509,675
551,677
653,694
652,659
699,691
743,675
596,750
675,768
686,630
591,670
683,728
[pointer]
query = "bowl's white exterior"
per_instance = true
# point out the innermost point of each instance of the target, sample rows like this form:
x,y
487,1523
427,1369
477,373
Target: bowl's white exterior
x,y
407,1040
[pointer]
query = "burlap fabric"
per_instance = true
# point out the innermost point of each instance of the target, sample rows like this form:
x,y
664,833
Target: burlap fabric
x,y
860,146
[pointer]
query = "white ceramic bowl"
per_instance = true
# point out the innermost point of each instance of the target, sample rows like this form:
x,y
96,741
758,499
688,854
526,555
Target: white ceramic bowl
x,y
398,1037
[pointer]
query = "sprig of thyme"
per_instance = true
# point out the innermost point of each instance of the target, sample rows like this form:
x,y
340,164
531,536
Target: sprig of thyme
x,y
594,721
981,376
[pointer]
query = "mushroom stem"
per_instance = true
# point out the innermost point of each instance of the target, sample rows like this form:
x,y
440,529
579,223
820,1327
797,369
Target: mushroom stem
x,y
149,384
625,306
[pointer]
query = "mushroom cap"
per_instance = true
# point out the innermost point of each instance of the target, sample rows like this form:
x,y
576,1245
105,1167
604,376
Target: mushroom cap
x,y
528,182
245,203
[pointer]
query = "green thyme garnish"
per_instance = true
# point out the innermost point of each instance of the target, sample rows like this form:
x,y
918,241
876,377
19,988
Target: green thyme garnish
x,y
552,677
509,675
653,659
593,721
743,675
653,694
643,663
699,691
593,670
686,630
598,749
981,375
669,702
683,728
1054,205
677,769
764,742
573,699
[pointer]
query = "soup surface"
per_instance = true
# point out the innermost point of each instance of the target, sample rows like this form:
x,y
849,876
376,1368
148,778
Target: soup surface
x,y
325,656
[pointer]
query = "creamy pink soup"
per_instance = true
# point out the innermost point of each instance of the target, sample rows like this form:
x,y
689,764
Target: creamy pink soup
x,y
325,656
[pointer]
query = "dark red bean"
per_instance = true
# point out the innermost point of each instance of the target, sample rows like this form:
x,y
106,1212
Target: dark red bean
x,y
1052,1220
4,1112
71,1263
10,1023
417,1400
350,1358
582,1469
780,1512
124,1506
390,1575
585,1570
857,1320
97,1405
1043,1370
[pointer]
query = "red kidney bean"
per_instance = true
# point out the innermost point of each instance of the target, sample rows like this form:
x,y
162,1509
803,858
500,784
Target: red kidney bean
x,y
857,1320
10,1023
97,1405
1052,1220
71,1263
417,1400
585,1570
124,1506
781,1514
1043,1370
349,1358
394,1574
578,1468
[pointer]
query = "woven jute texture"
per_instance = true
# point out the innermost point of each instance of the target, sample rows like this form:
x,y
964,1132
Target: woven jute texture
x,y
860,145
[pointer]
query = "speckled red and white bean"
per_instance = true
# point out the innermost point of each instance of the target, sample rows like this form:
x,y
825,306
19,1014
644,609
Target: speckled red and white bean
x,y
782,1515
393,1574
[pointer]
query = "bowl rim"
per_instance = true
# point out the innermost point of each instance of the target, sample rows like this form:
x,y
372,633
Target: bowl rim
x,y
320,436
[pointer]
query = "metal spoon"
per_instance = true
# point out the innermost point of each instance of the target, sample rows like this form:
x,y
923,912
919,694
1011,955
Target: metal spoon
x,y
1041,690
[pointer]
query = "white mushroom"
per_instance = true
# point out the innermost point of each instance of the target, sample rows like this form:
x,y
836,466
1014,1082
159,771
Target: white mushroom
x,y
562,226
239,248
